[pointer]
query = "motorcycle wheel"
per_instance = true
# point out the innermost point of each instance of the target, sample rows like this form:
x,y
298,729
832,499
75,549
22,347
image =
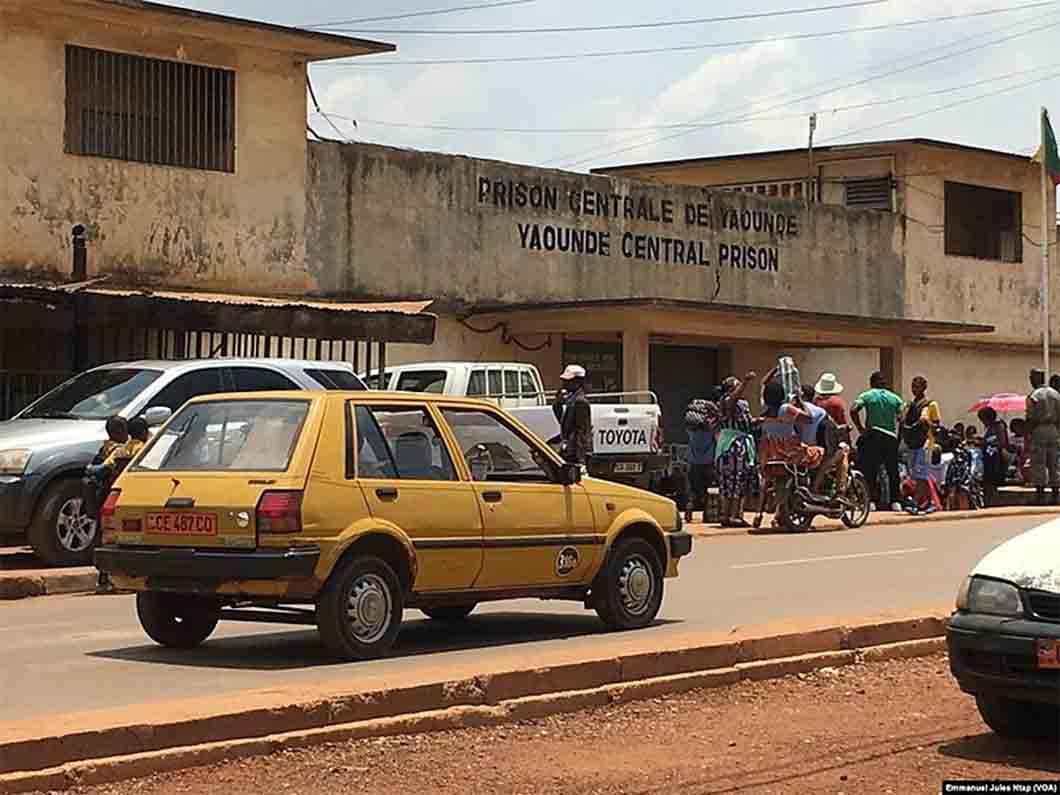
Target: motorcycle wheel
x,y
858,496
798,521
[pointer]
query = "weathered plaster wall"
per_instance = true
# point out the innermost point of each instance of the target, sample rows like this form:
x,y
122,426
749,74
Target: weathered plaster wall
x,y
957,376
152,224
392,223
1002,294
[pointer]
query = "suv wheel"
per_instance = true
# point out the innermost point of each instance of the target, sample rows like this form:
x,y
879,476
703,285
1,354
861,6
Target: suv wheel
x,y
359,610
180,621
1022,719
62,532
628,592
450,614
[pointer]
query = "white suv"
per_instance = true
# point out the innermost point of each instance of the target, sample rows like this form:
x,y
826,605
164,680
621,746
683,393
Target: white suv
x,y
44,448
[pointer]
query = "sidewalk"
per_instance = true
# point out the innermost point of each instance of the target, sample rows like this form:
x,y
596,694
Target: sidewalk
x,y
878,519
21,576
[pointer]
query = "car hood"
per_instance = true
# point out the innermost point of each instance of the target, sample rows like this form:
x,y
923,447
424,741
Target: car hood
x,y
662,508
38,434
1030,560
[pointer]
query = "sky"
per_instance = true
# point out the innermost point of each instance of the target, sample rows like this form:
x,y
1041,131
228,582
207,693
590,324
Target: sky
x,y
750,95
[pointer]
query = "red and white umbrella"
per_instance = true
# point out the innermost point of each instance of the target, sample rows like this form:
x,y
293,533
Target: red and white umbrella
x,y
1003,403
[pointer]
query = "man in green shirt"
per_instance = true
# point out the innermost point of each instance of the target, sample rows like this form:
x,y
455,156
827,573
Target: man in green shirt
x,y
878,441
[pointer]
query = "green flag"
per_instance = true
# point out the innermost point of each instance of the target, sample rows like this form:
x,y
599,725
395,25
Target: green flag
x,y
1047,152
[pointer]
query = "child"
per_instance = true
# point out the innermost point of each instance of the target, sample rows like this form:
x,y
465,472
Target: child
x,y
138,436
97,474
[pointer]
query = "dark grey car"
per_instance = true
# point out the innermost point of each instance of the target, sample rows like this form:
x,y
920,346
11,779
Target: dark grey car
x,y
44,449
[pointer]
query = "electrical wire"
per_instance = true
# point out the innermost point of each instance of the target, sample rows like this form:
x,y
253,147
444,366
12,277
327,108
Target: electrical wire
x,y
316,104
1037,27
941,108
688,47
606,28
681,126
409,15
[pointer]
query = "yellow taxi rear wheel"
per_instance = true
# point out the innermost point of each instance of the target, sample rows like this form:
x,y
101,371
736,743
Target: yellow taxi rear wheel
x,y
359,610
180,621
628,592
450,614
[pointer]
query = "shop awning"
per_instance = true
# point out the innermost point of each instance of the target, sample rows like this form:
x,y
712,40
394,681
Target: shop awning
x,y
722,321
97,306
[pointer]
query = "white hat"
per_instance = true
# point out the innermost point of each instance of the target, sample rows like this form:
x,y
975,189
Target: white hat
x,y
828,385
573,371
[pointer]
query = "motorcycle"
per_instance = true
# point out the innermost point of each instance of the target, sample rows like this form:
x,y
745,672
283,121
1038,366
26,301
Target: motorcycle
x,y
798,505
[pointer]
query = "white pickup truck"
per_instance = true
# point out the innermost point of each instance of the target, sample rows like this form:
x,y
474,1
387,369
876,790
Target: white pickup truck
x,y
627,427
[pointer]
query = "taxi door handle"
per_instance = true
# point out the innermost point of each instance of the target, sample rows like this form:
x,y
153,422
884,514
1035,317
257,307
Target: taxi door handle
x,y
492,496
386,494
180,502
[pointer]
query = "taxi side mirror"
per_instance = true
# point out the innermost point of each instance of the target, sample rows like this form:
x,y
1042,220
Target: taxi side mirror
x,y
570,474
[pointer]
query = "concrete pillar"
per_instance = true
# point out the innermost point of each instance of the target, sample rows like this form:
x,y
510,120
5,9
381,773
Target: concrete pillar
x,y
891,367
636,354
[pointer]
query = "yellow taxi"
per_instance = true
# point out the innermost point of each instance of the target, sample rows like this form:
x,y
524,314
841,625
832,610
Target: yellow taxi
x,y
343,509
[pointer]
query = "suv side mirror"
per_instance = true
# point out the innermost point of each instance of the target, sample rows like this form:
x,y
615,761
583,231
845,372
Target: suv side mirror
x,y
570,474
157,415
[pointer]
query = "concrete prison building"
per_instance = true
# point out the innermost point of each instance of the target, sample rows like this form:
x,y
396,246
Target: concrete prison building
x,y
164,152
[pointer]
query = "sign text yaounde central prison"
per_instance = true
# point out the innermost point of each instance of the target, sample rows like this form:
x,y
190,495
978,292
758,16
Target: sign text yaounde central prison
x,y
681,242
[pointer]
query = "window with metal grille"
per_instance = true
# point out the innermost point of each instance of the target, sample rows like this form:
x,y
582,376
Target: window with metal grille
x,y
146,110
871,193
986,223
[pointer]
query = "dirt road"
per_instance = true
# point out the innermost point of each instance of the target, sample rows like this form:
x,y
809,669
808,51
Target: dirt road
x,y
897,727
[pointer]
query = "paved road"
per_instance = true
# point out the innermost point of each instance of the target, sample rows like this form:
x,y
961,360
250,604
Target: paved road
x,y
63,654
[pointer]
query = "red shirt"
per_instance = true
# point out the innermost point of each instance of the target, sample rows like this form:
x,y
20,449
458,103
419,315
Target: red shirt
x,y
836,408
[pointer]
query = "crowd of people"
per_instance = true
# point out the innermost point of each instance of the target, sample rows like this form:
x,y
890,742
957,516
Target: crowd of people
x,y
912,461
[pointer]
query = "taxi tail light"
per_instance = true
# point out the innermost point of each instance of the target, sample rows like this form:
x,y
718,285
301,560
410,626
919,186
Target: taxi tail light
x,y
106,513
280,512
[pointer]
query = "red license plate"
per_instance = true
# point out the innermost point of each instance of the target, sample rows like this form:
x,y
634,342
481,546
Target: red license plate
x,y
1049,654
182,524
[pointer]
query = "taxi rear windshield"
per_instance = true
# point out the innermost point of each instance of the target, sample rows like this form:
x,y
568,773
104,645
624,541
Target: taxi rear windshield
x,y
228,435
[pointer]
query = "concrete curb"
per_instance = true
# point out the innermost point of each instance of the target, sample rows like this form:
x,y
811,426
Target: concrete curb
x,y
118,768
886,519
20,585
121,752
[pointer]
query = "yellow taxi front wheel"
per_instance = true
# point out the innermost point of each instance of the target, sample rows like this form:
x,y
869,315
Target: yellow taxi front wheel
x,y
180,621
628,592
359,610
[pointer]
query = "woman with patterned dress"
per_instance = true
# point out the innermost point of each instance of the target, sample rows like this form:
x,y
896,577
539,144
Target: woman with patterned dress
x,y
781,441
734,453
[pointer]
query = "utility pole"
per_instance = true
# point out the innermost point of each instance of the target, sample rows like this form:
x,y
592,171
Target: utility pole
x,y
812,181
1046,331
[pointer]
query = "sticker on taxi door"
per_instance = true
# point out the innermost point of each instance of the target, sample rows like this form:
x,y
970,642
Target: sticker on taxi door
x,y
567,561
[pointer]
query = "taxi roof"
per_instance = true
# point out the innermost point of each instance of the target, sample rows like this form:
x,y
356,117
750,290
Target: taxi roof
x,y
361,396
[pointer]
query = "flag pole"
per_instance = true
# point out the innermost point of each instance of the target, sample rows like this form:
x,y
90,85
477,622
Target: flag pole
x,y
1045,251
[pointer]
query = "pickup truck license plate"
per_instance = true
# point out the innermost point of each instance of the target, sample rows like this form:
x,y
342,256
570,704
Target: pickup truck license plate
x,y
182,524
1049,654
629,468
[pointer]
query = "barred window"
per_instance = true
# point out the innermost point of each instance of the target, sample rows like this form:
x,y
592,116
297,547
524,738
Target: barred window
x,y
146,110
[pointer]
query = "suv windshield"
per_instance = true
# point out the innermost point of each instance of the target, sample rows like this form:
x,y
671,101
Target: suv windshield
x,y
249,435
336,379
94,395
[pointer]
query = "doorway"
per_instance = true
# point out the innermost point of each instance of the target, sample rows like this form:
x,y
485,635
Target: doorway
x,y
678,375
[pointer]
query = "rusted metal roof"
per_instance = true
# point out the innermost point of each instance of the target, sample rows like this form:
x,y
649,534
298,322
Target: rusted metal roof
x,y
401,321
